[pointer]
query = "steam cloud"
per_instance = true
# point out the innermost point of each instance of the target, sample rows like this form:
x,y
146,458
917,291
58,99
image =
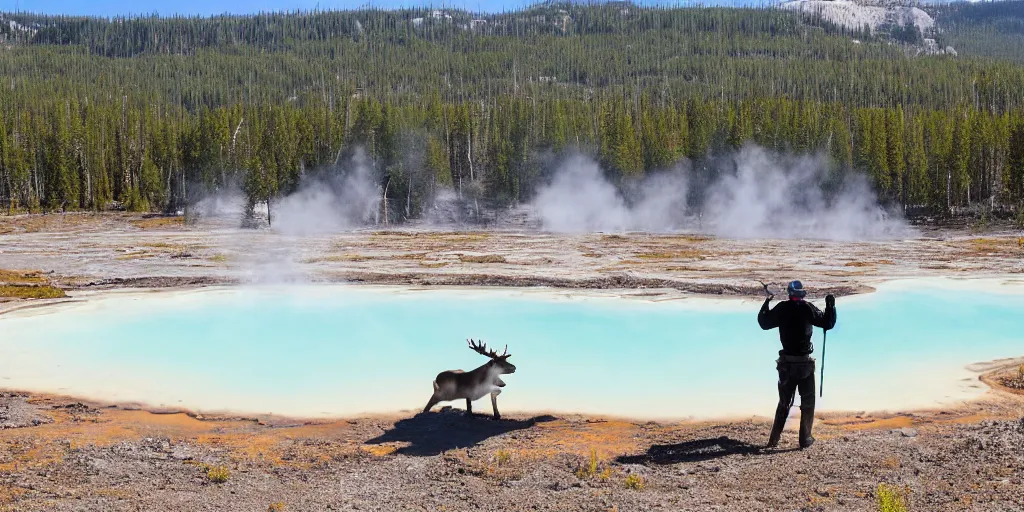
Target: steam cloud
x,y
332,203
326,202
755,194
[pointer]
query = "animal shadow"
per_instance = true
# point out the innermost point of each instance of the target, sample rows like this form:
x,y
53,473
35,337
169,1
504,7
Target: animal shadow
x,y
434,433
694,451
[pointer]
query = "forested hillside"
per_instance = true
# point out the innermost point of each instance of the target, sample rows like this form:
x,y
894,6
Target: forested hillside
x,y
146,113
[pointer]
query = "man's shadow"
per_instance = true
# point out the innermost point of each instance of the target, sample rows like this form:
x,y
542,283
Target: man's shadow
x,y
434,433
695,451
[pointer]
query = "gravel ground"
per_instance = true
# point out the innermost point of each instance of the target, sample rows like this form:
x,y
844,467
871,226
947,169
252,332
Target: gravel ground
x,y
83,457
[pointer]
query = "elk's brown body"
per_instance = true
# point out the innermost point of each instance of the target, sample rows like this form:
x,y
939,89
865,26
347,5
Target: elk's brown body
x,y
457,384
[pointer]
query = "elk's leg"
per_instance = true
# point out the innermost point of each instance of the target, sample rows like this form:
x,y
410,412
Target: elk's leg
x,y
432,402
494,403
469,407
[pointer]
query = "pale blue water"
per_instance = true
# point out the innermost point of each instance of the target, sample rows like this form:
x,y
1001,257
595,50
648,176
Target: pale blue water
x,y
341,350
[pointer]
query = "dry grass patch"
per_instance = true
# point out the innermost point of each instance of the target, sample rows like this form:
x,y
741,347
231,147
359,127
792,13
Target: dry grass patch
x,y
379,450
688,254
457,237
31,292
684,269
993,246
410,256
20,284
483,258
433,264
502,457
35,223
387,233
860,264
21,277
353,257
174,247
158,222
686,238
136,255
10,494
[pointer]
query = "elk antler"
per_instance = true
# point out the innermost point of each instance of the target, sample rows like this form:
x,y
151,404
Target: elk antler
x,y
481,348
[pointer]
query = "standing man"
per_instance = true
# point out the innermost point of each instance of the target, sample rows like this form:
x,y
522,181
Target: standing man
x,y
796,320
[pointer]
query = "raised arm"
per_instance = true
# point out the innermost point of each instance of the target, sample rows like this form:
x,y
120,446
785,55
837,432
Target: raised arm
x,y
826,320
767,318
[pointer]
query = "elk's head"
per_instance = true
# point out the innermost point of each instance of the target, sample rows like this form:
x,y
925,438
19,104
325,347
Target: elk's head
x,y
499,362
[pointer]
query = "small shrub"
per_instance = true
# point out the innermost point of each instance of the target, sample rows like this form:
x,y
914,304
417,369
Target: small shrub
x,y
589,470
276,507
635,482
891,498
502,457
605,475
218,474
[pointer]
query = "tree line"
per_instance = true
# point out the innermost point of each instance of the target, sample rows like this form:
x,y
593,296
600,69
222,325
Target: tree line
x,y
83,156
148,113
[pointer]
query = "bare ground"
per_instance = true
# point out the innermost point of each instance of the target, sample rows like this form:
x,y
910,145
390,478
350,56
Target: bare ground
x,y
87,251
68,455
60,454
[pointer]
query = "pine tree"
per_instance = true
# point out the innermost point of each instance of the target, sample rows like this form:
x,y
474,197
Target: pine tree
x,y
958,180
918,181
896,154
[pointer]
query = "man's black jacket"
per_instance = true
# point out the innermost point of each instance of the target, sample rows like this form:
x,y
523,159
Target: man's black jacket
x,y
796,320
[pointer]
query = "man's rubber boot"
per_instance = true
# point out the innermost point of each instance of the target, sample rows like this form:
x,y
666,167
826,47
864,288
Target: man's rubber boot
x,y
806,422
780,423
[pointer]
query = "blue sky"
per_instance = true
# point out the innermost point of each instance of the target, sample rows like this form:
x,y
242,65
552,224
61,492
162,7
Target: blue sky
x,y
209,7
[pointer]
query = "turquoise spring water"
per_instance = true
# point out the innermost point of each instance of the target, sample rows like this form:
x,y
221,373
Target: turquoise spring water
x,y
344,350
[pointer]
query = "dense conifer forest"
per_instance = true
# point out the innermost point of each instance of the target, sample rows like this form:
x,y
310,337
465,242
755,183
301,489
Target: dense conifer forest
x,y
150,113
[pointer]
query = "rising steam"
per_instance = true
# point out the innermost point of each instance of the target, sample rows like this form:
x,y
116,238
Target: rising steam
x,y
333,202
755,194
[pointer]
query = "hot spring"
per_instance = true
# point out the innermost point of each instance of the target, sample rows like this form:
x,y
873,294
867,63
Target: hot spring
x,y
334,350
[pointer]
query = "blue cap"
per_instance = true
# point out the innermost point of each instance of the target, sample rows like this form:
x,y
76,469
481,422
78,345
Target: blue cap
x,y
796,289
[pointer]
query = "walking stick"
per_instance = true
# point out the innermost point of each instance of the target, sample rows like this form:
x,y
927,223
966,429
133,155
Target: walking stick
x,y
824,340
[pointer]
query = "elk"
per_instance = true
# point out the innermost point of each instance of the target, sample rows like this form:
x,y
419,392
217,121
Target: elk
x,y
457,384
